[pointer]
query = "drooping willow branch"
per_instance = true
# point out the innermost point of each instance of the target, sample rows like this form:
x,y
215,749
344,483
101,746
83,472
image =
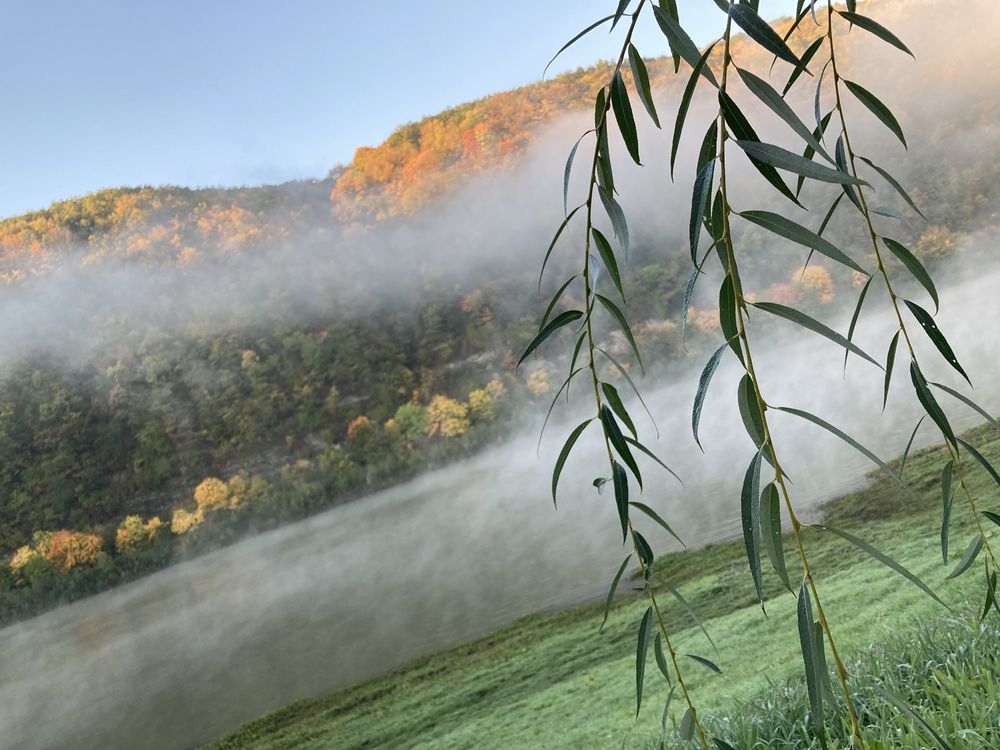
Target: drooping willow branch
x,y
850,158
611,411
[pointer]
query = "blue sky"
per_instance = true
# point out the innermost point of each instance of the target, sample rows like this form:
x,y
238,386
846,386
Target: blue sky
x,y
102,93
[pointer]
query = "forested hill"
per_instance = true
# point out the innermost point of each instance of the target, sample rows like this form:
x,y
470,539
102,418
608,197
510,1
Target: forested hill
x,y
178,366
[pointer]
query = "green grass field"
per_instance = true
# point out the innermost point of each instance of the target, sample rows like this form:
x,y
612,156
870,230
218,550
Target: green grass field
x,y
555,681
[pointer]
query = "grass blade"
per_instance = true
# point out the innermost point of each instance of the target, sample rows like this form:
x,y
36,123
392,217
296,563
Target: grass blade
x,y
614,587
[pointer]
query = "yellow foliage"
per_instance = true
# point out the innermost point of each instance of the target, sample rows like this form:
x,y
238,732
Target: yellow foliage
x,y
133,535
817,280
538,383
183,521
496,389
21,558
481,405
211,494
70,549
446,417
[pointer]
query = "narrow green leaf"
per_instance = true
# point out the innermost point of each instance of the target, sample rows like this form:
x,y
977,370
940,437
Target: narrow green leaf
x,y
983,461
645,553
888,212
930,404
759,30
555,299
934,333
666,708
628,379
555,239
971,552
656,517
749,514
687,723
854,317
784,159
773,100
991,589
770,531
699,199
808,645
877,108
800,318
840,434
722,744
643,449
569,169
574,39
705,662
605,175
890,360
560,320
690,611
807,56
661,659
728,315
895,185
866,23
947,498
685,104
670,7
619,317
608,258
620,480
790,230
640,656
968,402
614,433
909,444
818,99
703,382
614,587
600,108
742,131
552,405
992,516
617,217
619,12
641,77
887,561
612,397
623,115
681,43
821,669
905,709
564,454
914,266
746,396
840,153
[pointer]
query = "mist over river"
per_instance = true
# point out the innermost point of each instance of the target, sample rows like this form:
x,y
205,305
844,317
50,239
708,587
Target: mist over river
x,y
185,655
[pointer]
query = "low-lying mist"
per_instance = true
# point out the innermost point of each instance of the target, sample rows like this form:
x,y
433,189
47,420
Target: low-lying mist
x,y
184,655
190,652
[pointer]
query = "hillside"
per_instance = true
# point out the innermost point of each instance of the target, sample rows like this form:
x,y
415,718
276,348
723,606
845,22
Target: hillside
x,y
184,366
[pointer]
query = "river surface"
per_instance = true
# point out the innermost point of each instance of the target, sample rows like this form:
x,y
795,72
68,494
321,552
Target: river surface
x,y
185,655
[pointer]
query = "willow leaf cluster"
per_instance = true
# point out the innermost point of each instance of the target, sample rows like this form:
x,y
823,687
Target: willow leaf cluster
x,y
827,158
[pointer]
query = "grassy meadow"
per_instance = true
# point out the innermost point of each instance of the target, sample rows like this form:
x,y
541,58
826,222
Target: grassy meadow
x,y
556,681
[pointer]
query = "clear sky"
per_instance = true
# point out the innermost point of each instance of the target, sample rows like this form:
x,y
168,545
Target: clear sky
x,y
102,93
